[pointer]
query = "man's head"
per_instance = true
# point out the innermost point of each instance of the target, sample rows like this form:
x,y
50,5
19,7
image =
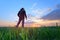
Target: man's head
x,y
22,9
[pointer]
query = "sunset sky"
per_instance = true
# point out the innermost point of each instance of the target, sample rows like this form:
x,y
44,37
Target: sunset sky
x,y
35,9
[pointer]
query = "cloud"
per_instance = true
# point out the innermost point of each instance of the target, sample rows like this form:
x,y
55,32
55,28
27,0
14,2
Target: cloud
x,y
49,9
40,12
40,22
37,12
34,18
33,6
54,15
57,6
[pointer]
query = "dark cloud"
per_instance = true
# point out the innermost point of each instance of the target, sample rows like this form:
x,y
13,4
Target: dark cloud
x,y
54,15
58,6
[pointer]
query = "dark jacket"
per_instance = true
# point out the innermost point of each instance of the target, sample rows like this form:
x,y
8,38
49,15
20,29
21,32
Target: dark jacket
x,y
22,14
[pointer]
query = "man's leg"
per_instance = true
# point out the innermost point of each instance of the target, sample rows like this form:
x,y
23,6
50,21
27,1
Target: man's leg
x,y
23,23
18,23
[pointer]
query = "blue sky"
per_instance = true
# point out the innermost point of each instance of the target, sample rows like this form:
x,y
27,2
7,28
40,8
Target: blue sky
x,y
34,8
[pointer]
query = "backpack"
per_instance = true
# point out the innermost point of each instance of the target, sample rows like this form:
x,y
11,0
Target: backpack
x,y
18,13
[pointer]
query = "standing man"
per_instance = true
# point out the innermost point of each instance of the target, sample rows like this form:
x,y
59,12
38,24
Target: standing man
x,y
22,15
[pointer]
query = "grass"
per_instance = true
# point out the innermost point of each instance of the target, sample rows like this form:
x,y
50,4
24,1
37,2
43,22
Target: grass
x,y
42,33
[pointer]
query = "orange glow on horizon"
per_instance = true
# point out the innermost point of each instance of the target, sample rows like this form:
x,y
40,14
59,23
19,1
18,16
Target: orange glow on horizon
x,y
38,23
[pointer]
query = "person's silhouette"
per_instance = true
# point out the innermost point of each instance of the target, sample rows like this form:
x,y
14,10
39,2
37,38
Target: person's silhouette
x,y
22,15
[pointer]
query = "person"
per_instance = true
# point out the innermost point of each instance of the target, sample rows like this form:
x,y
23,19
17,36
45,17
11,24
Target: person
x,y
22,15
